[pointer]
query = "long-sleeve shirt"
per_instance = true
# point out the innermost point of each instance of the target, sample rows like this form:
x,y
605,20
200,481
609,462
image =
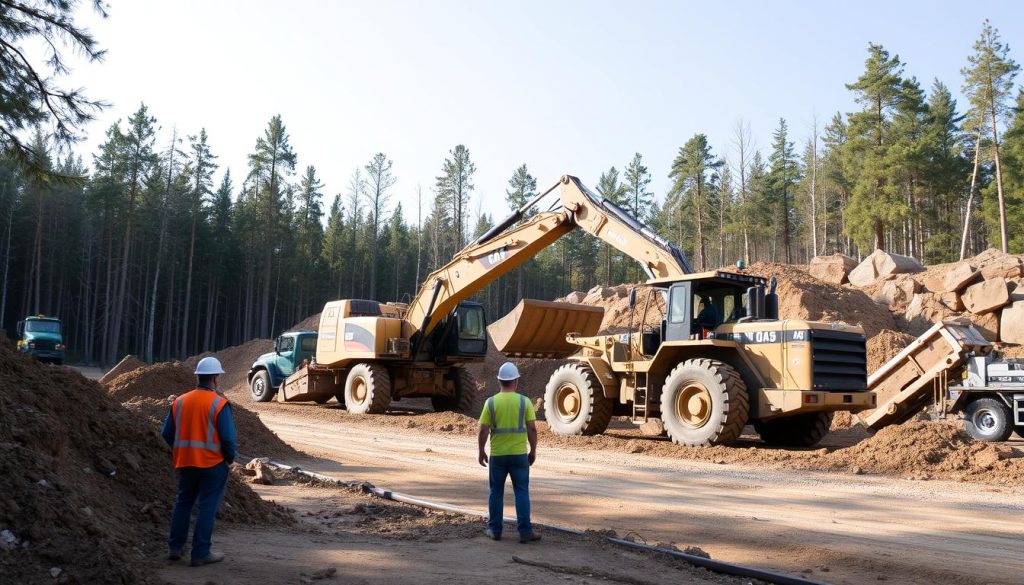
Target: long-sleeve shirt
x,y
225,430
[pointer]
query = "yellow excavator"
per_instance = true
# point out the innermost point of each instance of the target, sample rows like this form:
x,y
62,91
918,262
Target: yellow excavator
x,y
717,359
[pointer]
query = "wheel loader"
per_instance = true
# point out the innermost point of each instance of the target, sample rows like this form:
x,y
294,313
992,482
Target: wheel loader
x,y
719,358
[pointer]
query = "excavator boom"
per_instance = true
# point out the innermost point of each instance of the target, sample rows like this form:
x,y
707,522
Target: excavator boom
x,y
504,248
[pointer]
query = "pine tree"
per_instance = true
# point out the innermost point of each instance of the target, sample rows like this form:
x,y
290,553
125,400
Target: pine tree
x,y
874,208
453,187
200,170
334,245
783,176
379,181
609,187
988,84
522,188
691,172
31,100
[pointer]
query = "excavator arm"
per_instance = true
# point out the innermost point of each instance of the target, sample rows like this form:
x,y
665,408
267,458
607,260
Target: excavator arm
x,y
501,250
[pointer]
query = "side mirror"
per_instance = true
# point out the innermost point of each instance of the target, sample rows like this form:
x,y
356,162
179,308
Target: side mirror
x,y
632,298
277,346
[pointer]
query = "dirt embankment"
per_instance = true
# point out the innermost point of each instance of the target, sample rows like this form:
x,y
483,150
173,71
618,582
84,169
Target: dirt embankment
x,y
146,390
87,485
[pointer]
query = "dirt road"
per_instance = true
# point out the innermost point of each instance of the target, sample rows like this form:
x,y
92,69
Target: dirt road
x,y
839,528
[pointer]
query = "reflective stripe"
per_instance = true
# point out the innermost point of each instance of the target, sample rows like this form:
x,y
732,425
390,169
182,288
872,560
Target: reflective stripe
x,y
197,445
521,428
209,422
177,419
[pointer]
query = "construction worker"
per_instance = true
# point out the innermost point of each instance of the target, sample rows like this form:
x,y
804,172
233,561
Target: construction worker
x,y
508,419
201,434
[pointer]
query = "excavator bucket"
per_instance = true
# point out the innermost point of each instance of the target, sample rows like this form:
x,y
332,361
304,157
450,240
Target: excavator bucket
x,y
537,329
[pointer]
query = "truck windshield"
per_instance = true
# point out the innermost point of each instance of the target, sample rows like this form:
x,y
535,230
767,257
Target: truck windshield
x,y
42,326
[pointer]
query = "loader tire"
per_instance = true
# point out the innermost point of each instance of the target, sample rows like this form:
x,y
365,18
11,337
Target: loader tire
x,y
988,419
464,400
260,388
704,402
801,430
574,402
367,389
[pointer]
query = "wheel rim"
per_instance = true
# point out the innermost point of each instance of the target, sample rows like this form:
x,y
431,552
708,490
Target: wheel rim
x,y
258,387
985,421
568,402
693,405
359,390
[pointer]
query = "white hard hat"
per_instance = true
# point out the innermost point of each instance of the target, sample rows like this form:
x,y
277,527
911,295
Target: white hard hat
x,y
209,366
508,372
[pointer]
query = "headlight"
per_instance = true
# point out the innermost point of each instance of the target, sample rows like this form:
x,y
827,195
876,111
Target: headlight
x,y
59,347
31,345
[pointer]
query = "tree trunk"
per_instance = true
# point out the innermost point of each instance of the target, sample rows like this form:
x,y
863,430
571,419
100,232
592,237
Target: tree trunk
x,y
1004,242
970,197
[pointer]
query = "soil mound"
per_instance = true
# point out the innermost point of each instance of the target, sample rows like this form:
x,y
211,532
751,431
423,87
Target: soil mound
x,y
801,296
127,364
534,374
87,485
311,323
146,391
885,346
236,361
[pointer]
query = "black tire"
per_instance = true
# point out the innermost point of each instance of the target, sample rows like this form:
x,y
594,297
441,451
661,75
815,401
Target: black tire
x,y
367,389
260,388
988,419
464,400
801,430
574,402
718,393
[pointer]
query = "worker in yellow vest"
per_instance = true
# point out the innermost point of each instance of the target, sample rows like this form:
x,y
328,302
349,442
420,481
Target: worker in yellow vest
x,y
201,434
508,419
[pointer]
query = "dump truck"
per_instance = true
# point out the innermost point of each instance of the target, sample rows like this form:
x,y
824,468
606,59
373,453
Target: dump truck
x,y
951,370
292,351
41,337
719,359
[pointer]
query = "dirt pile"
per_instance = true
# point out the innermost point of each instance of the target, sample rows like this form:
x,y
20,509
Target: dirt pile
x,y
87,485
145,391
127,364
534,373
615,301
885,346
311,323
236,361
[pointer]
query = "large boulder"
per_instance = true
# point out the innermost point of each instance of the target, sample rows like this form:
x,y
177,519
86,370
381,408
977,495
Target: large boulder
x,y
959,276
988,325
993,263
897,293
1011,322
986,296
881,263
832,269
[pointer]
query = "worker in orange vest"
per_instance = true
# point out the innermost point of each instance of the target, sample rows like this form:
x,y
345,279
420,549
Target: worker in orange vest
x,y
201,434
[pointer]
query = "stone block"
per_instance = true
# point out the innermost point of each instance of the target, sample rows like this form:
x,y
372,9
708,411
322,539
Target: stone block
x,y
986,296
958,277
1011,323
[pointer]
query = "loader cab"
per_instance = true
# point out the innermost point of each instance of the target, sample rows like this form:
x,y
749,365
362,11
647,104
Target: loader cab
x,y
695,307
466,331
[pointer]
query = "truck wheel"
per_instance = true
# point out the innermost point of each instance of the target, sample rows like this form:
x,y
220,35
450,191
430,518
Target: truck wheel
x,y
367,389
464,400
260,387
574,402
704,402
987,419
801,430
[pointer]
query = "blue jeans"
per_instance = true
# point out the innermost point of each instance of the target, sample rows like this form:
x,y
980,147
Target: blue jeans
x,y
500,467
203,486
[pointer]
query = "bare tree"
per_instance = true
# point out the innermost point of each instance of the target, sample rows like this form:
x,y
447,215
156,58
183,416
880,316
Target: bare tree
x,y
379,180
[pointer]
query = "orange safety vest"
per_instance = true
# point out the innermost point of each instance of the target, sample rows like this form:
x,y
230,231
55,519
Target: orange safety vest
x,y
196,441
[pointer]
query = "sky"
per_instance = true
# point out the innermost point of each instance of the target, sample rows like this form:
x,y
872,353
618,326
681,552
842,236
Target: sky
x,y
563,86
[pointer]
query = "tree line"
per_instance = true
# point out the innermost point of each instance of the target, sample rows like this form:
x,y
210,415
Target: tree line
x,y
150,249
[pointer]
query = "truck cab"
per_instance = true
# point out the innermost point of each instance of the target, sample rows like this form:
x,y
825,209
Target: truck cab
x,y
269,370
41,336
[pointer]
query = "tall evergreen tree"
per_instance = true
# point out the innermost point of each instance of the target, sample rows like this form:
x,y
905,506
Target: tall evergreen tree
x,y
691,173
988,84
782,178
379,179
453,187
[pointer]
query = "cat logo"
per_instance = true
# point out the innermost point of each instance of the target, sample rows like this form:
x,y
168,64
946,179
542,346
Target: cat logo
x,y
494,258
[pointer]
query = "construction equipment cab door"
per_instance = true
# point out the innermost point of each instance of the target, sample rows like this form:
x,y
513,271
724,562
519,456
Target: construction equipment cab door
x,y
285,348
677,321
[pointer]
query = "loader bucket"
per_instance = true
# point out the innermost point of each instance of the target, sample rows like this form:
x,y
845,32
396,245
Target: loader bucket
x,y
537,329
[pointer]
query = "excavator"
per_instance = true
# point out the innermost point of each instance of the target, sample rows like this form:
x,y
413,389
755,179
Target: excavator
x,y
717,359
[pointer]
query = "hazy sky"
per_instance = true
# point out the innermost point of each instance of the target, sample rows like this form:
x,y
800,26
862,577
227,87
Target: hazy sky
x,y
565,87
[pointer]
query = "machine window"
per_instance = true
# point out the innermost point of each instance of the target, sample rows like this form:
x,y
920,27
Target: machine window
x,y
471,323
677,305
287,344
308,344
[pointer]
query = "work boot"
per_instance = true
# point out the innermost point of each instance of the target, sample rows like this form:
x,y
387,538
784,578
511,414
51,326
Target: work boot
x,y
493,535
174,555
529,537
213,557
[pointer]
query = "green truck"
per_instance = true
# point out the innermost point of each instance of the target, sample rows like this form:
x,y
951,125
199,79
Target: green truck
x,y
41,336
